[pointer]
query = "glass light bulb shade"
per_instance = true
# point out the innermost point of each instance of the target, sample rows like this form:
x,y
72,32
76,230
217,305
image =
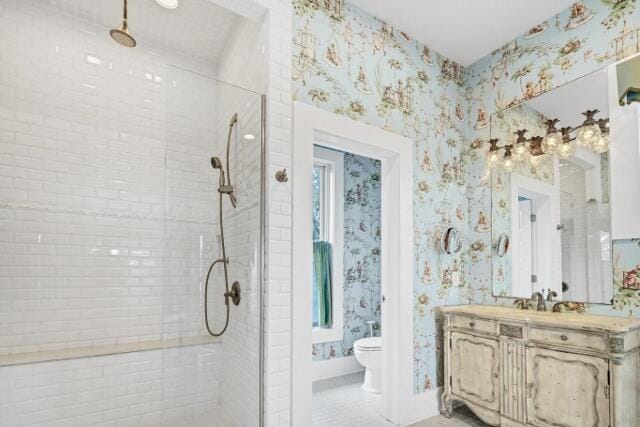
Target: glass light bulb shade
x,y
587,135
520,152
551,142
538,160
493,158
509,164
566,150
601,144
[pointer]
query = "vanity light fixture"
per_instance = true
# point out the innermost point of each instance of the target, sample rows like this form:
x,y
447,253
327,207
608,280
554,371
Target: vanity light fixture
x,y
553,139
509,163
592,134
493,155
568,147
520,148
589,132
601,144
169,4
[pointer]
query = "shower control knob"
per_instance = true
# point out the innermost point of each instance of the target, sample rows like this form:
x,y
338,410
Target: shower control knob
x,y
235,293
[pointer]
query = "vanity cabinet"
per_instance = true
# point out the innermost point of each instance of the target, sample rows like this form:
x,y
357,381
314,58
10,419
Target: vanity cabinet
x,y
525,368
477,370
565,389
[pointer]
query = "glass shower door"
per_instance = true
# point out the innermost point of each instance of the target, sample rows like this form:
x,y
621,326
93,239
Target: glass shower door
x,y
207,380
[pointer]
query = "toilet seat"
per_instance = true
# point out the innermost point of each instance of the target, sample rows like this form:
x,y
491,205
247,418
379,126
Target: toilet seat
x,y
368,344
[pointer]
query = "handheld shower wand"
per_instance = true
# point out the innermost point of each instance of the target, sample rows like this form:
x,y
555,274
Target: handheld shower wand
x,y
224,187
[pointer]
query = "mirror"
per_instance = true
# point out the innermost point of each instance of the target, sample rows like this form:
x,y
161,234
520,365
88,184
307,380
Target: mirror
x,y
551,215
502,246
450,241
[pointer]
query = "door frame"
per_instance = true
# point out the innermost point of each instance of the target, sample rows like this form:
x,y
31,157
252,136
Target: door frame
x,y
395,152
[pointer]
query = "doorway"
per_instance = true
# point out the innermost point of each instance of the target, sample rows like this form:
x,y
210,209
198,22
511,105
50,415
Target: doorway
x,y
393,153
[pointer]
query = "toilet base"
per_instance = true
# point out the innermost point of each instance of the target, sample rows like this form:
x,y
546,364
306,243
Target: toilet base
x,y
372,382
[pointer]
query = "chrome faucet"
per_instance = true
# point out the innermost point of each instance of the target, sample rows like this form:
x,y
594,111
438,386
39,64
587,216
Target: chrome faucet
x,y
551,295
539,299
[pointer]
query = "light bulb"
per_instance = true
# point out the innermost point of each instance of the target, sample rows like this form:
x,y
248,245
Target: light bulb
x,y
551,142
509,164
566,150
520,152
493,158
587,135
537,160
601,144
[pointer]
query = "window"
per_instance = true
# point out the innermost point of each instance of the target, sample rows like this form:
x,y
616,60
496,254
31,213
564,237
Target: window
x,y
328,210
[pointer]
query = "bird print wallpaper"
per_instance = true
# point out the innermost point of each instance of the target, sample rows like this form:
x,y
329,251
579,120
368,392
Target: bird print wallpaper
x,y
350,63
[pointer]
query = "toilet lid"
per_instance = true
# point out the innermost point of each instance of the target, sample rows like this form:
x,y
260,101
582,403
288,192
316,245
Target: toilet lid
x,y
369,343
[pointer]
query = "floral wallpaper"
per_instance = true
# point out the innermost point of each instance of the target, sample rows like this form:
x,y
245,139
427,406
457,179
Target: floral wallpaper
x,y
626,274
588,36
347,62
350,63
361,259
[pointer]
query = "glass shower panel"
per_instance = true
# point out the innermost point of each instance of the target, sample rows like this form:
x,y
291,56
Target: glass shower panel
x,y
207,380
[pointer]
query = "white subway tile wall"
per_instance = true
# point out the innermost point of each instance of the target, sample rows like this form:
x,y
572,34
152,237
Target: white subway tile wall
x,y
87,206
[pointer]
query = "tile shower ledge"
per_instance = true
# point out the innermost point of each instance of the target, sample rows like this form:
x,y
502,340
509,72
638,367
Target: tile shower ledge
x,y
567,320
102,350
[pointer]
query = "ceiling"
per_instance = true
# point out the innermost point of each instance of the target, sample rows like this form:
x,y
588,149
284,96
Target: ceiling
x,y
196,28
463,30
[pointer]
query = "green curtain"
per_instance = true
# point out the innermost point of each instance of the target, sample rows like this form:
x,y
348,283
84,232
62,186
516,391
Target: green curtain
x,y
322,278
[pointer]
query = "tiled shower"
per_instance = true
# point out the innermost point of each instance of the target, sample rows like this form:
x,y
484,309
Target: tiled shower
x,y
108,216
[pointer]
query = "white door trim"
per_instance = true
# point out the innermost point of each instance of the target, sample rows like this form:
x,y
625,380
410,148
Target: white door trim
x,y
396,154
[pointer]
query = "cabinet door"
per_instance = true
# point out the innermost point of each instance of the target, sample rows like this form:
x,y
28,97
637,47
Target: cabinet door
x,y
475,369
565,389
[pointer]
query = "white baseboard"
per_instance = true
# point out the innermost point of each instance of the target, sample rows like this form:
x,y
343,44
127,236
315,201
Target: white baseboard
x,y
331,368
424,405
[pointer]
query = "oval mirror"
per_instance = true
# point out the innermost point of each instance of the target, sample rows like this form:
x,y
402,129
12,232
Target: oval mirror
x,y
450,242
502,247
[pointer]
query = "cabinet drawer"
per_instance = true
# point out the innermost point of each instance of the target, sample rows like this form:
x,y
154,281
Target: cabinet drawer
x,y
587,340
474,324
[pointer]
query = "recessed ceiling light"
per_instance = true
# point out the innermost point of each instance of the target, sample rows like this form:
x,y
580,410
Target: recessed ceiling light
x,y
169,4
249,137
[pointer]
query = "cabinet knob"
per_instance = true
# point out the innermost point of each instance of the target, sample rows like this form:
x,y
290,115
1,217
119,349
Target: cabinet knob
x,y
564,337
472,324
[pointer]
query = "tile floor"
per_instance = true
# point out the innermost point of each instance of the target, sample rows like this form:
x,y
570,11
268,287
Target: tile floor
x,y
339,402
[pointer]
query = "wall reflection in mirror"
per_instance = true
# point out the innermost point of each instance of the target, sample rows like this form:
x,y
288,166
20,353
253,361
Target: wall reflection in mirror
x,y
551,214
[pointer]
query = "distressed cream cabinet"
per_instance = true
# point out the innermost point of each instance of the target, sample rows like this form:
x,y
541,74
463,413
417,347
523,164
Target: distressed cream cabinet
x,y
521,368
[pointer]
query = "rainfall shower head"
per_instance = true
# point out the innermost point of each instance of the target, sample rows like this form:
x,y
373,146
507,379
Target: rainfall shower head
x,y
121,35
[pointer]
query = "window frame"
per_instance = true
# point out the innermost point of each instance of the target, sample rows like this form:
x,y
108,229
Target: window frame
x,y
333,227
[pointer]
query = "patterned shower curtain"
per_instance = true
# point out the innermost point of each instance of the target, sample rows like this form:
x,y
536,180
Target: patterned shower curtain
x,y
322,281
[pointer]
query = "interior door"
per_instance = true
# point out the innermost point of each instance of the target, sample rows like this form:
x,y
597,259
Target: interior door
x,y
475,370
568,390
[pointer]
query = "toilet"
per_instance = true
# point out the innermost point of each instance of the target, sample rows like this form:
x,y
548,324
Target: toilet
x,y
368,352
